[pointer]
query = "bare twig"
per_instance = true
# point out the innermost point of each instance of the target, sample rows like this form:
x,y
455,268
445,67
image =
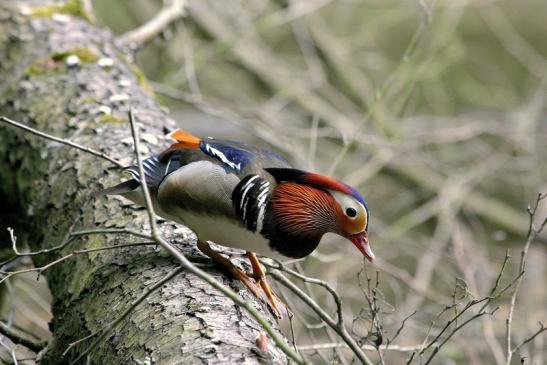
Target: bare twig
x,y
308,280
62,141
70,238
326,346
436,343
374,298
389,341
533,232
437,347
324,284
171,11
340,329
131,232
311,327
371,293
506,259
467,260
541,329
13,239
43,268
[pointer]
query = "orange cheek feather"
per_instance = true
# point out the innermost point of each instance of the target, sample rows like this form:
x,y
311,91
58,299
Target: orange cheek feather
x,y
304,209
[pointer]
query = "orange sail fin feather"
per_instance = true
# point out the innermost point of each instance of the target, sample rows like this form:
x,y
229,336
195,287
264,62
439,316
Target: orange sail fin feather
x,y
184,140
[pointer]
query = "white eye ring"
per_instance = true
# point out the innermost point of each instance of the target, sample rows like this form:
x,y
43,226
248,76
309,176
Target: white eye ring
x,y
351,212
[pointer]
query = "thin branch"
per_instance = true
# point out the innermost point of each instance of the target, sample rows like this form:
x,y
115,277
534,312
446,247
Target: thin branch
x,y
66,240
541,329
131,232
371,295
62,141
13,239
171,11
19,338
506,259
436,344
310,327
482,311
389,341
341,330
436,348
41,269
533,232
307,279
328,346
70,238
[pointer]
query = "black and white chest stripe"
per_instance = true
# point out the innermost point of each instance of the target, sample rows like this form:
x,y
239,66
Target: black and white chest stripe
x,y
250,199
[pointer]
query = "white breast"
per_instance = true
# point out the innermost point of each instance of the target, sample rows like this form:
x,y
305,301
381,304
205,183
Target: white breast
x,y
219,230
197,185
226,232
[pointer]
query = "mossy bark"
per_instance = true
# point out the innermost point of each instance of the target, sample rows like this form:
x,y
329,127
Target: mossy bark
x,y
186,321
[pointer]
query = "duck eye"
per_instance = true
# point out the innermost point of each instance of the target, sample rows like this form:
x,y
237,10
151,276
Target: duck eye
x,y
351,212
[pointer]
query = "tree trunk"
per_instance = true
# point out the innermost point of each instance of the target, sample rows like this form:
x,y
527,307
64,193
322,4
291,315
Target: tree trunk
x,y
56,76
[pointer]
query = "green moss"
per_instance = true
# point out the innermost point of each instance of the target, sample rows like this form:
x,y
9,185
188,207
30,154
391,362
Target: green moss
x,y
88,100
139,75
58,192
111,119
56,61
84,54
141,78
94,241
70,7
42,67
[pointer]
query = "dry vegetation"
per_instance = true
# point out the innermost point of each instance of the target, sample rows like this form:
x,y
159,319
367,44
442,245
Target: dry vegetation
x,y
434,110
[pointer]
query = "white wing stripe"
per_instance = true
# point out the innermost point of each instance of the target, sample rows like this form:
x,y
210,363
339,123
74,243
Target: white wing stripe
x,y
222,157
148,166
167,167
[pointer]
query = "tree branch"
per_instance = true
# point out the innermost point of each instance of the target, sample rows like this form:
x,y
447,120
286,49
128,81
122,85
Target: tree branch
x,y
171,11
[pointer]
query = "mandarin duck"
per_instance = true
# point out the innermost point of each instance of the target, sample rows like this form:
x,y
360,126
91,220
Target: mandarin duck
x,y
249,198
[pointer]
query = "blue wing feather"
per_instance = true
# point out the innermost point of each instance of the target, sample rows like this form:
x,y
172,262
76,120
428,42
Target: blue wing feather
x,y
236,155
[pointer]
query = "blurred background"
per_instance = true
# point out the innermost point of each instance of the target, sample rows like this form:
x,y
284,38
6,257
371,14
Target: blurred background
x,y
434,110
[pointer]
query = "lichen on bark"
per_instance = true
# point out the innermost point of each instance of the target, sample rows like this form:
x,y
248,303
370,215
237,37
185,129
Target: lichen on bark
x,y
186,321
